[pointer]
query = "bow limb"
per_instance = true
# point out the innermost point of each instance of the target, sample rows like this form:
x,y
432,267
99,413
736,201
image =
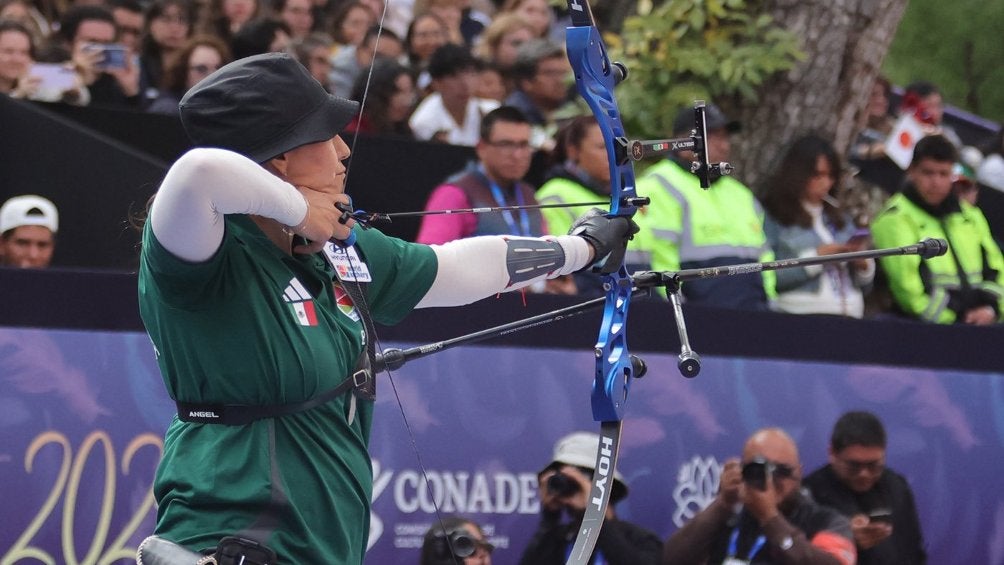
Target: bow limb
x,y
595,78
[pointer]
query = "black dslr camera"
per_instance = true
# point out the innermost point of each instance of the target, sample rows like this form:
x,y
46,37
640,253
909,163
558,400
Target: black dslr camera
x,y
757,472
457,544
562,485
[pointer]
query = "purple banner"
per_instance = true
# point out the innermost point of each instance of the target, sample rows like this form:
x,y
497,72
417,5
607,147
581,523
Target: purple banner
x,y
82,415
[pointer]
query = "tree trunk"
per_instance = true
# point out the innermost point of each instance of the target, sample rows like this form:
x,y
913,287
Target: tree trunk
x,y
844,42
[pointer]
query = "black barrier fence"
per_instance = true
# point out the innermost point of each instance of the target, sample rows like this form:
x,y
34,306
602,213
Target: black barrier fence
x,y
88,300
100,167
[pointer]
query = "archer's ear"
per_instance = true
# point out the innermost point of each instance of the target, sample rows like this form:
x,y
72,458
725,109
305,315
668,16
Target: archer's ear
x,y
277,165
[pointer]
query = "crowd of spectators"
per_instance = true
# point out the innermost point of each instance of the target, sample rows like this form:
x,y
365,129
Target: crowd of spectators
x,y
431,70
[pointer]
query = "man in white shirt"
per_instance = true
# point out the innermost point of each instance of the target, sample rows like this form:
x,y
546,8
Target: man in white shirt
x,y
451,114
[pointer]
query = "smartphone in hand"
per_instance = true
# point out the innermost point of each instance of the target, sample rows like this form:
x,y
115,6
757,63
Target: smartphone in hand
x,y
883,515
54,77
113,55
859,237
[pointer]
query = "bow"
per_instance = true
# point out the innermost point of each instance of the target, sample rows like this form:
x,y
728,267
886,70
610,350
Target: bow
x,y
595,78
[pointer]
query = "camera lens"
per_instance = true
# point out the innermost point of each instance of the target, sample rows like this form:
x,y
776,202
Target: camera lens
x,y
755,473
562,485
463,545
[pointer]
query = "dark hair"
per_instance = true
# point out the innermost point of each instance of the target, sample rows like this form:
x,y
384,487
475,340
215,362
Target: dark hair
x,y
451,59
129,5
411,33
435,549
921,89
382,87
530,54
782,191
175,78
256,36
18,27
506,114
340,14
857,428
148,46
375,31
886,86
571,135
212,19
76,15
936,148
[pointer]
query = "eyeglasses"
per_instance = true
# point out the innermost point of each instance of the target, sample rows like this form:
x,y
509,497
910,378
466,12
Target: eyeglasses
x,y
782,471
202,69
855,467
510,146
172,19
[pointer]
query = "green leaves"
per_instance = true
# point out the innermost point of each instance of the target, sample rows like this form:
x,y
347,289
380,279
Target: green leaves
x,y
683,50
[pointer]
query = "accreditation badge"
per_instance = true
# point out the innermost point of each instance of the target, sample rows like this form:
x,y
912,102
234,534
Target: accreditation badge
x,y
735,561
347,263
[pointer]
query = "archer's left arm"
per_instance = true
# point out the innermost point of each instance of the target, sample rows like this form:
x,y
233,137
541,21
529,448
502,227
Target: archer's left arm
x,y
474,268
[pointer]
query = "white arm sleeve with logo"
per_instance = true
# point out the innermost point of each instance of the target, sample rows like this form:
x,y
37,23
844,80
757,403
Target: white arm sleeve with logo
x,y
477,267
204,185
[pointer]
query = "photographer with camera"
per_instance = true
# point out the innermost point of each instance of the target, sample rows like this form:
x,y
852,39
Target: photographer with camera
x,y
456,541
877,500
564,486
761,515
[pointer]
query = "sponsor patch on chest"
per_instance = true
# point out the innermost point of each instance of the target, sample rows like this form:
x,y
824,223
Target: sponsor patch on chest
x,y
347,263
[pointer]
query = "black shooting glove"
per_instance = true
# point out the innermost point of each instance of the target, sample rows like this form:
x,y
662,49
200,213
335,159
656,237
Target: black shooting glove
x,y
608,236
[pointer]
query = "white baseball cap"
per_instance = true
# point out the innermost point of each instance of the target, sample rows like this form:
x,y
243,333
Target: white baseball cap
x,y
578,449
28,210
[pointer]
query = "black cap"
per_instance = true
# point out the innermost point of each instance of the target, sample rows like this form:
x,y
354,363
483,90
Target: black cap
x,y
261,107
714,118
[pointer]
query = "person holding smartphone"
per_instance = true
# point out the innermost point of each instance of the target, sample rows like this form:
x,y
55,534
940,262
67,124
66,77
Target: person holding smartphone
x,y
878,500
108,70
761,515
804,220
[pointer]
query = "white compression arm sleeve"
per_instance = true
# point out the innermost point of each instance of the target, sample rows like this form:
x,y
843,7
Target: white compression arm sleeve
x,y
474,268
202,186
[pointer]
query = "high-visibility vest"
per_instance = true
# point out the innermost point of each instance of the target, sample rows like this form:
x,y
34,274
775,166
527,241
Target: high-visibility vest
x,y
693,227
923,287
561,190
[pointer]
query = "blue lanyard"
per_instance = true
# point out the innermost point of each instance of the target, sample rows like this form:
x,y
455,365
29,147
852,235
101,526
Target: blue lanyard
x,y
734,542
524,217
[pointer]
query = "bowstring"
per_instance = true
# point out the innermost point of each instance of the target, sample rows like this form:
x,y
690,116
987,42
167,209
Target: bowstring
x,y
365,303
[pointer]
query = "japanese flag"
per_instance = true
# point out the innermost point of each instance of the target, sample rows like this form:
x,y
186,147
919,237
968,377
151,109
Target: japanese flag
x,y
906,134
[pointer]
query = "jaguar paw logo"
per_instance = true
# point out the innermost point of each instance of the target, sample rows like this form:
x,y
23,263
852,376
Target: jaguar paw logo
x,y
696,487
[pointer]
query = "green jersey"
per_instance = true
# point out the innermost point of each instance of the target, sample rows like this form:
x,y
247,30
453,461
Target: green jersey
x,y
255,326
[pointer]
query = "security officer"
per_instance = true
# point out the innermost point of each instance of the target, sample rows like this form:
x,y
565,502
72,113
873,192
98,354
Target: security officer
x,y
966,285
691,227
